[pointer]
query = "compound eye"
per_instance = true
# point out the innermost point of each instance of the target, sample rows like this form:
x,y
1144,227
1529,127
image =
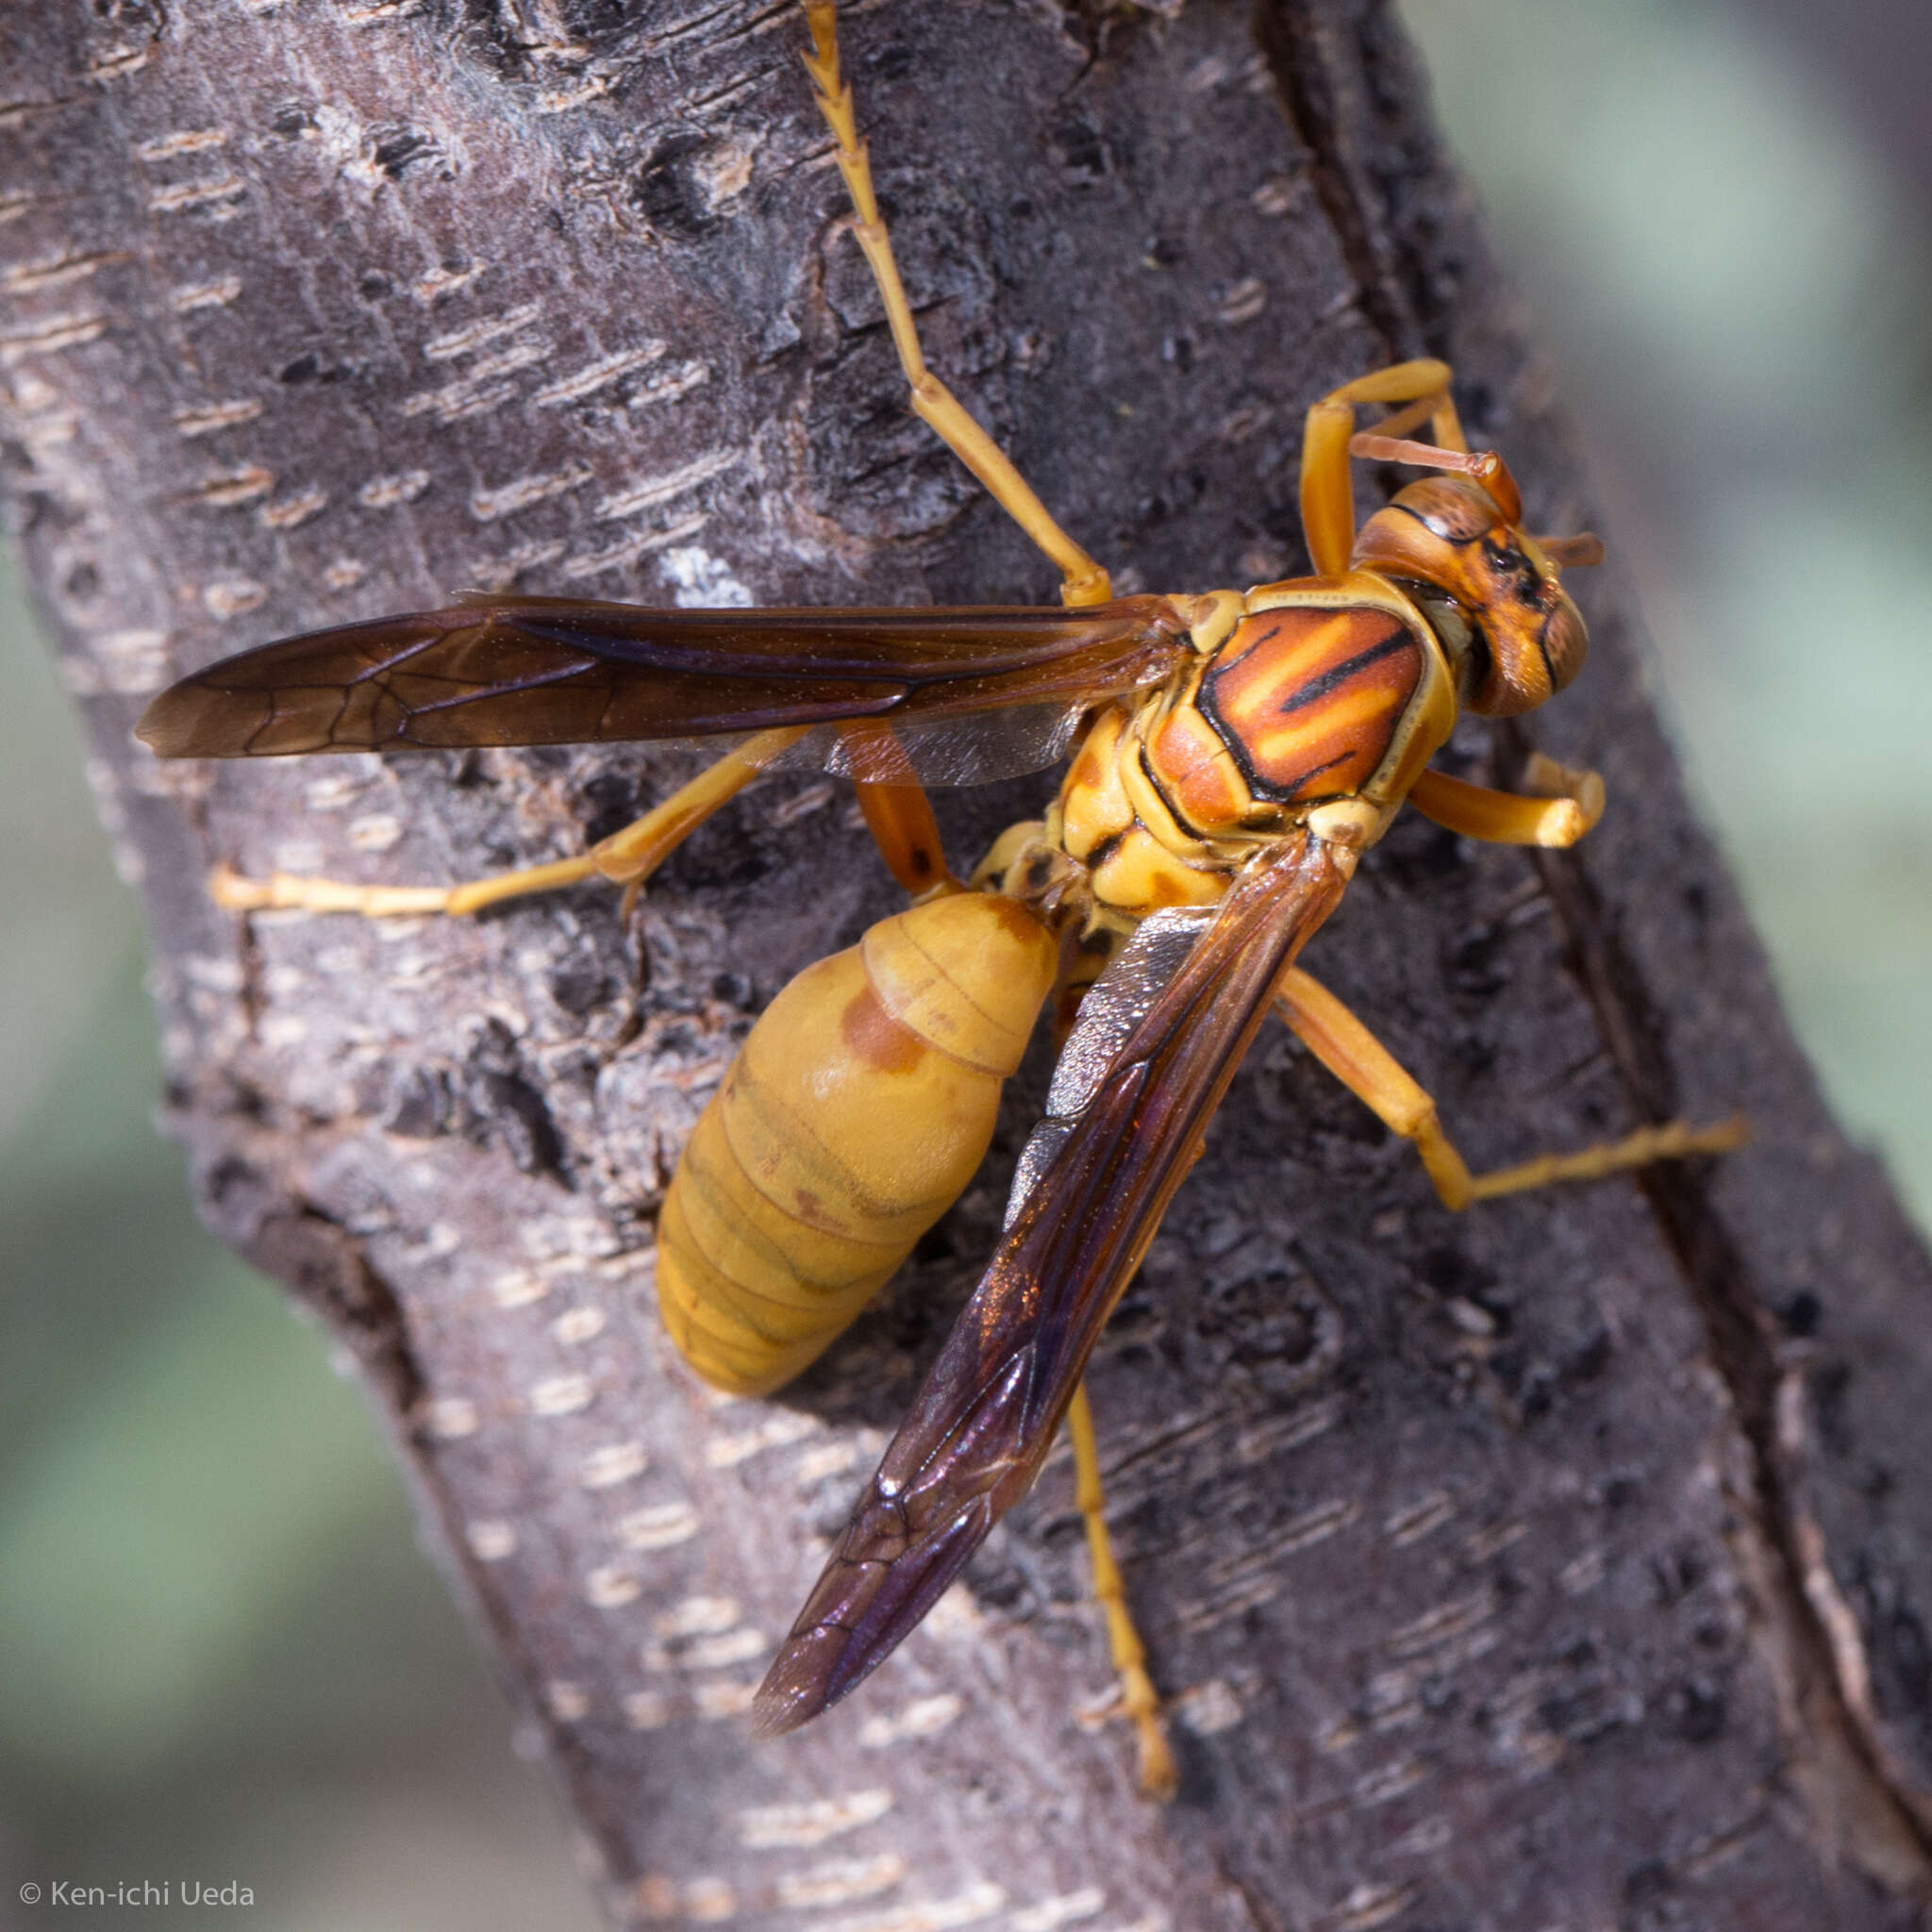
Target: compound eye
x,y
1513,571
1566,642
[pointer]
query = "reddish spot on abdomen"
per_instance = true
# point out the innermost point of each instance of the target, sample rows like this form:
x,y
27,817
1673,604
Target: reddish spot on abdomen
x,y
1308,699
873,1036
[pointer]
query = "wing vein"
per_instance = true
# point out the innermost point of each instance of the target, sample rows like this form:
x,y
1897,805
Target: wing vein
x,y
986,1413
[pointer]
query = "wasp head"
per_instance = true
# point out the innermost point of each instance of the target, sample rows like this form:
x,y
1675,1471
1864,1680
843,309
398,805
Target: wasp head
x,y
1493,593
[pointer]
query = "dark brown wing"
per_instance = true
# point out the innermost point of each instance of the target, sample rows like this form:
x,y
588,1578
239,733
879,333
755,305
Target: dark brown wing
x,y
497,670
1137,1084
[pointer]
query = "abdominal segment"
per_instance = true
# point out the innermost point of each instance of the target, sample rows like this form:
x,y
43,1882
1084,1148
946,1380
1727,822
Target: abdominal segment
x,y
856,1114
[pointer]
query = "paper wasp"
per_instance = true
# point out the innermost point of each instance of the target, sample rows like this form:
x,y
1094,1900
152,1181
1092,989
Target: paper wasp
x,y
1231,755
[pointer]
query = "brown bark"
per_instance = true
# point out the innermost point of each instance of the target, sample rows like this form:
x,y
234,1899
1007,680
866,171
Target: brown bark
x,y
1567,1564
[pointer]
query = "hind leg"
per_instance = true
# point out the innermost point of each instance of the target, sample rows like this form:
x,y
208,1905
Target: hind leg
x,y
1371,1072
1139,1698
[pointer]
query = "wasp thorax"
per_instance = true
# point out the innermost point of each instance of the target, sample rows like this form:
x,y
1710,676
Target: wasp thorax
x,y
1511,630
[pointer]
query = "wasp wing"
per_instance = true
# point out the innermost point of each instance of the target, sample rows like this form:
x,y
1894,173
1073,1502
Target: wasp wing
x,y
503,670
1158,1042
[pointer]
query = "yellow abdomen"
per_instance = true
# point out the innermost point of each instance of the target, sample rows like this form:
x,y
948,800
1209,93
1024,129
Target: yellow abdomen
x,y
852,1119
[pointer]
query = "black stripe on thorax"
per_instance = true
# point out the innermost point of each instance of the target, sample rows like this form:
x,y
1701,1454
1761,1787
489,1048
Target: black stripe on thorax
x,y
1319,686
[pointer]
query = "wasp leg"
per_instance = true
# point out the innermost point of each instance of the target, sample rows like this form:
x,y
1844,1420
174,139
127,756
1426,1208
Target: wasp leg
x,y
898,812
1421,392
899,817
1137,1696
1561,806
626,858
1371,1072
1084,580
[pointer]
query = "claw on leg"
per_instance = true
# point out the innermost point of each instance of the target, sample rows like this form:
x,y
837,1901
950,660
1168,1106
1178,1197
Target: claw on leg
x,y
1674,1140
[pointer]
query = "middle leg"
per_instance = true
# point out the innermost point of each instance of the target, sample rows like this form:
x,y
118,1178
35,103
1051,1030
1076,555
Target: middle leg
x,y
626,858
898,812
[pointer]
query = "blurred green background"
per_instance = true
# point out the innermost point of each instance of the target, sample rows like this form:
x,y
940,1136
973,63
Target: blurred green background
x,y
220,1652
1724,241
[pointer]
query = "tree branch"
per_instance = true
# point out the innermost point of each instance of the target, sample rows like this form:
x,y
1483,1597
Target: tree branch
x,y
1563,1561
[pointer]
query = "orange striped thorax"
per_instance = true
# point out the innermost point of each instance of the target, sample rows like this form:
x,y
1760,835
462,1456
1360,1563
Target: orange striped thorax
x,y
1317,693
